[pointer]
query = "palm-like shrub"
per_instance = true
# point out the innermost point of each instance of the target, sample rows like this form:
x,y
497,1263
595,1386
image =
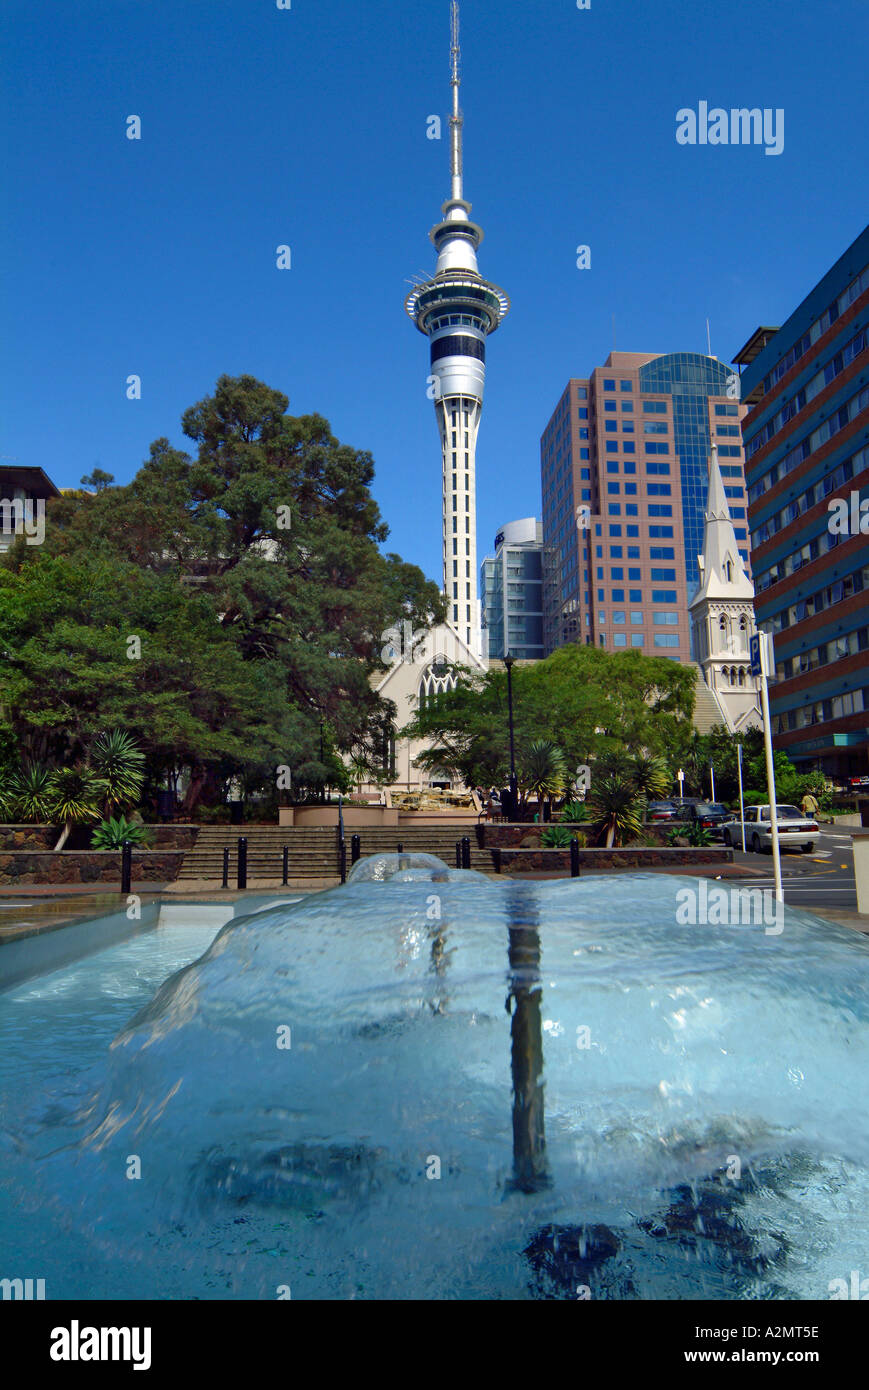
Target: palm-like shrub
x,y
75,793
616,808
119,762
111,834
651,775
574,811
29,794
560,836
544,771
696,835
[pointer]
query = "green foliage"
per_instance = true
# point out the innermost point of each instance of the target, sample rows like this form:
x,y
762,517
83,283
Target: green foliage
x,y
75,794
111,834
560,836
27,795
98,479
120,764
581,698
574,811
251,574
718,748
696,835
616,807
652,776
542,770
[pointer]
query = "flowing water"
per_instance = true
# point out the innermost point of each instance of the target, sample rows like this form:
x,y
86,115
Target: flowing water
x,y
430,1084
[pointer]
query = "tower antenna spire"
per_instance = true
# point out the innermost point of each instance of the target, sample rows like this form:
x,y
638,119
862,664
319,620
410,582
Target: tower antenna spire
x,y
456,117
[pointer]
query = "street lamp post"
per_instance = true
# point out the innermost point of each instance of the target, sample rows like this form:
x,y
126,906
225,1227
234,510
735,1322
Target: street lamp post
x,y
508,662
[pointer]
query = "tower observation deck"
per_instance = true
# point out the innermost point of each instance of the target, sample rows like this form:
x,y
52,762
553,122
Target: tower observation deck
x,y
457,310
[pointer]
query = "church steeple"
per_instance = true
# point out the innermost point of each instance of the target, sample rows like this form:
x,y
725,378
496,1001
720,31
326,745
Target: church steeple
x,y
722,611
722,572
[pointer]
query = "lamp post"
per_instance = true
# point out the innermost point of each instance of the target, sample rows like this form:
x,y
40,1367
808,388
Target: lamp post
x,y
508,662
712,779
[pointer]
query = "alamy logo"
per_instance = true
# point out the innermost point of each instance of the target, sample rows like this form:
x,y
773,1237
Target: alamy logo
x,y
25,516
739,126
413,646
22,1288
848,515
76,1343
740,907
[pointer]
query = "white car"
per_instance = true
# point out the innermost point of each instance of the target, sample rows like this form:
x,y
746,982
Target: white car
x,y
795,830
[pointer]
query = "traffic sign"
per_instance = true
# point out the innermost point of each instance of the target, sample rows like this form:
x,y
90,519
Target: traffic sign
x,y
754,653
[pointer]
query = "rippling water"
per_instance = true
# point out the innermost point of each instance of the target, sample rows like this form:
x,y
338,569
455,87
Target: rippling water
x,y
445,1086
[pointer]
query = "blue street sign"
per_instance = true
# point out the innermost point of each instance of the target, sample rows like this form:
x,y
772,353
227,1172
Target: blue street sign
x,y
754,653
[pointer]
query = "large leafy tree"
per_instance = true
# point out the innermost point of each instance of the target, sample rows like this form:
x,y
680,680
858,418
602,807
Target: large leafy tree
x,y
251,572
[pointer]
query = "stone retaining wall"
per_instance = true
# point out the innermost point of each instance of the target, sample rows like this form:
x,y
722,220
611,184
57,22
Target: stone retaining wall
x,y
88,866
558,860
45,837
510,835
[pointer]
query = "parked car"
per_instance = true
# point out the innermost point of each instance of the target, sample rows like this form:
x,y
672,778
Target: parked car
x,y
711,815
663,810
796,831
858,783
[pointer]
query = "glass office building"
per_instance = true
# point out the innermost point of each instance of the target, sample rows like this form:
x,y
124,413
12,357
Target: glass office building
x,y
511,589
624,479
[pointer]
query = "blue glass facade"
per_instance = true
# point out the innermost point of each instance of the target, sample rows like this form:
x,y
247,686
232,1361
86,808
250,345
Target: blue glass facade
x,y
689,379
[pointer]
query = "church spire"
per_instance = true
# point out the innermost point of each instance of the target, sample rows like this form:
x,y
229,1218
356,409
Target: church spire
x,y
722,571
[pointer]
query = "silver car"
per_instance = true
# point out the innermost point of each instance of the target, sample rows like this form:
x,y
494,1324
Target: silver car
x,y
795,830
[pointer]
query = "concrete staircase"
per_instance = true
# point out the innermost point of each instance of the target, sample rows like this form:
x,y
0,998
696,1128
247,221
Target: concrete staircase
x,y
313,852
707,711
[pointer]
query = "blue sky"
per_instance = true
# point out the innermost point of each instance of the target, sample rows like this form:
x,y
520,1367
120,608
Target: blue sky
x,y
308,127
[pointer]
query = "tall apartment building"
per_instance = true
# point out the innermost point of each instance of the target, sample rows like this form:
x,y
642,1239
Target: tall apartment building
x,y
807,468
511,588
624,479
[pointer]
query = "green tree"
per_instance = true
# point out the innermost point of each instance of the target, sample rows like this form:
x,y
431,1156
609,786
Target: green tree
x,y
584,699
542,772
251,574
75,793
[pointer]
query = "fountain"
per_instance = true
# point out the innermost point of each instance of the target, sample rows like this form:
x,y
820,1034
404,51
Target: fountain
x,y
431,1084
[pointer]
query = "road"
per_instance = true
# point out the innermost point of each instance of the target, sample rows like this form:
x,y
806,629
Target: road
x,y
824,878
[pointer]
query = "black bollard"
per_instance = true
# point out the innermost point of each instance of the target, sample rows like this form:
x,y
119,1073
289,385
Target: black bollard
x,y
286,877
458,854
342,860
242,861
496,858
355,848
574,858
400,848
126,867
225,883
466,852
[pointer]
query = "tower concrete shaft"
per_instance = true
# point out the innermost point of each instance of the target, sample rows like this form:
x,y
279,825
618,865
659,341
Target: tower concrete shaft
x,y
457,310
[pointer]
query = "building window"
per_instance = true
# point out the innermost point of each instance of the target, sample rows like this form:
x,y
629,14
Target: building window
x,y
636,619
666,639
637,639
609,384
626,386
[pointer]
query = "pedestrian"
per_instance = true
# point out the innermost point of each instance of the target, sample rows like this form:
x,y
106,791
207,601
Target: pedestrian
x,y
809,805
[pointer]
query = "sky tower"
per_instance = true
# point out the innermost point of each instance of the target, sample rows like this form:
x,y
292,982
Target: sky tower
x,y
457,310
